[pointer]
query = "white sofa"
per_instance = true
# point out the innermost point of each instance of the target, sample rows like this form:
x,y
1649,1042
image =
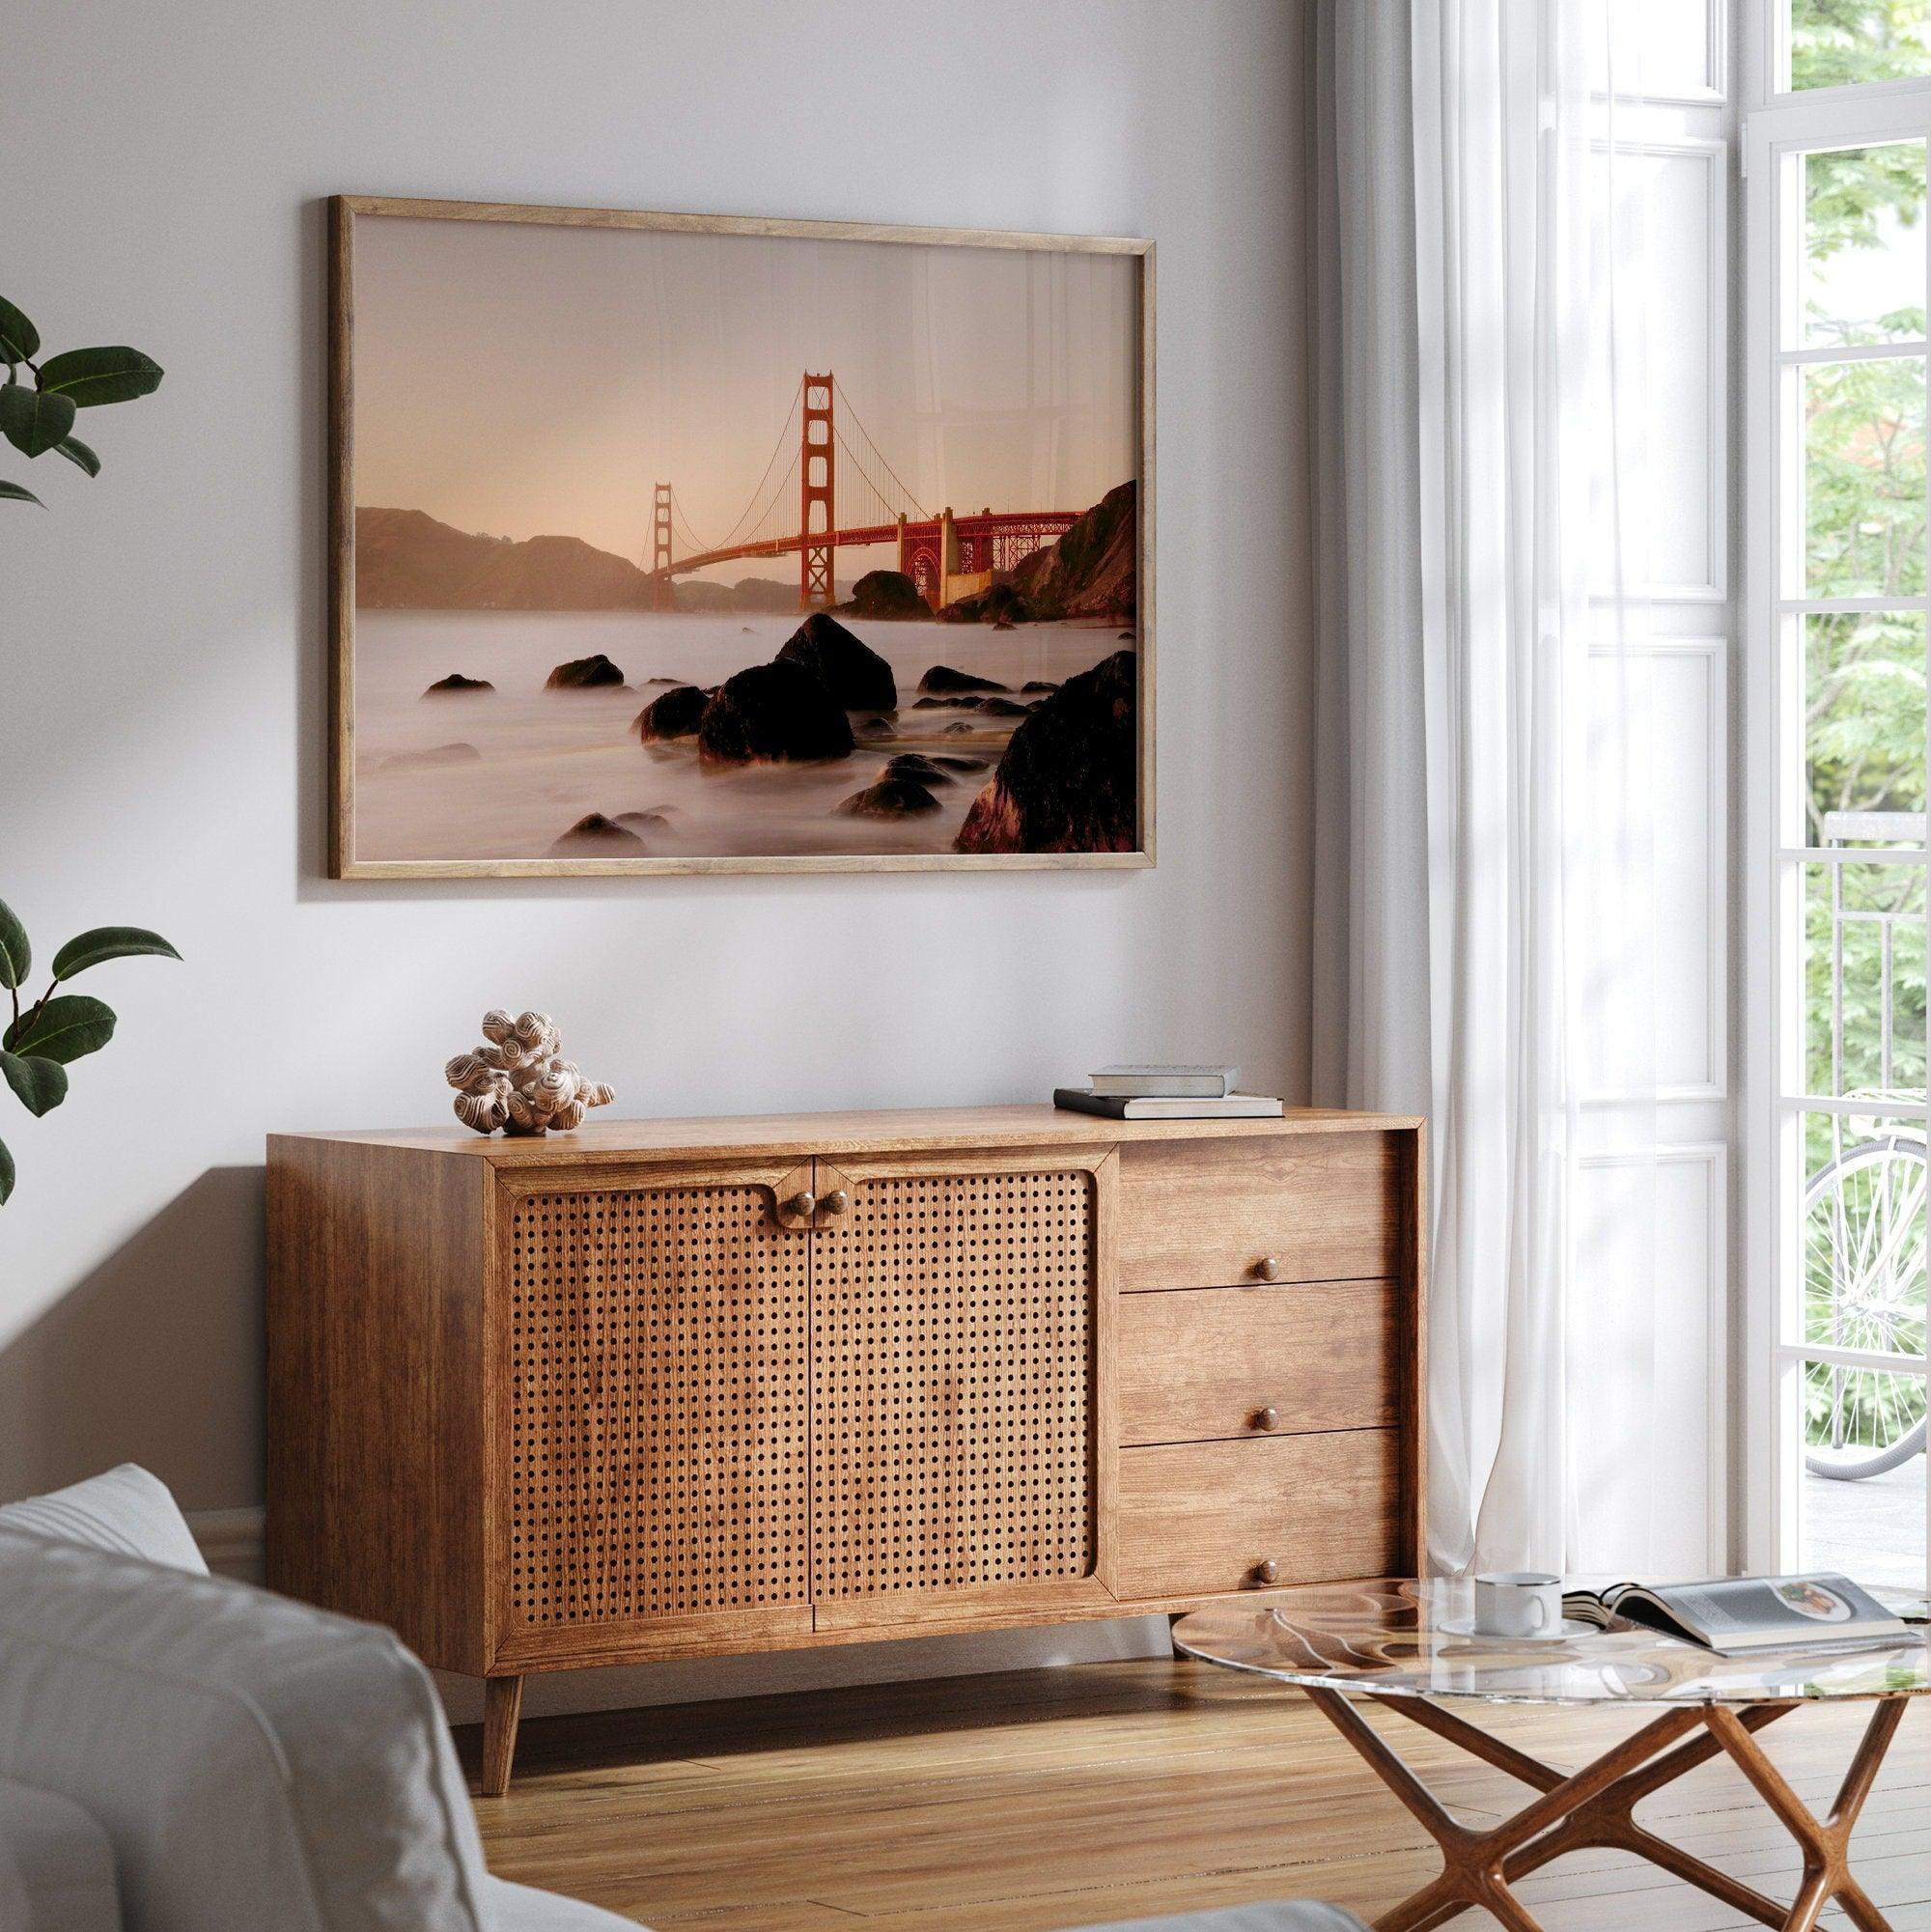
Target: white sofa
x,y
182,1753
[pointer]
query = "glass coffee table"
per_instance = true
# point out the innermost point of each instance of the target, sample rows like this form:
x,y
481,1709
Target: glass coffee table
x,y
1408,1647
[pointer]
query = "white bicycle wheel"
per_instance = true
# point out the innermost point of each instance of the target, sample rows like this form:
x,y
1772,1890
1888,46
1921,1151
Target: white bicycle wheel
x,y
1865,1289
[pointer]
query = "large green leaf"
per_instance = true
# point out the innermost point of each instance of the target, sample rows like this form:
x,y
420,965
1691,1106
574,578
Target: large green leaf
x,y
108,942
33,420
19,341
12,492
6,1174
63,1029
78,451
40,1083
90,376
16,956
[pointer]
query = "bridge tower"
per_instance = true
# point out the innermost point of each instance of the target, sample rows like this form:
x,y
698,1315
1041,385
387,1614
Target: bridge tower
x,y
815,512
664,597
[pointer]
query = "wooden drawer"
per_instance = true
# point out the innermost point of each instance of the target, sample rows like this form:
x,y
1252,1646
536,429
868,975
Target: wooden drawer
x,y
1308,1207
1200,1518
1288,1360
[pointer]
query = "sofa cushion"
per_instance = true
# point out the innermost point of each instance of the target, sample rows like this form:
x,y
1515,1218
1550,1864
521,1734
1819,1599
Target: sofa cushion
x,y
254,1761
124,1509
1294,1915
520,1908
56,1865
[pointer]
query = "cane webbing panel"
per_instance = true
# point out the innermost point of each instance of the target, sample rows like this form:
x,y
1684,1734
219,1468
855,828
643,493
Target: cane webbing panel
x,y
658,1361
952,1346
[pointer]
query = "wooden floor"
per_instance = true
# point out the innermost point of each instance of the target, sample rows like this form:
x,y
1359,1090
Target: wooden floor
x,y
1063,1797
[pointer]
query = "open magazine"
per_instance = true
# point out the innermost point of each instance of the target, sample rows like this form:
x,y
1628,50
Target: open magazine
x,y
1735,1616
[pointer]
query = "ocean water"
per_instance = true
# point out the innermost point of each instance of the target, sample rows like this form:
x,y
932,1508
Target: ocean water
x,y
545,759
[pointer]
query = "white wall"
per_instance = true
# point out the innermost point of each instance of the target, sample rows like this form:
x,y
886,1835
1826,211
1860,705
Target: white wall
x,y
163,668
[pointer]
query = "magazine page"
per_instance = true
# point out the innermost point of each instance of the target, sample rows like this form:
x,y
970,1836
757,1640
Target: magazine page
x,y
1792,1609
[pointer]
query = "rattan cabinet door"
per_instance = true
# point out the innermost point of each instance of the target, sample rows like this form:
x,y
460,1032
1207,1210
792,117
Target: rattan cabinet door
x,y
956,1395
658,1396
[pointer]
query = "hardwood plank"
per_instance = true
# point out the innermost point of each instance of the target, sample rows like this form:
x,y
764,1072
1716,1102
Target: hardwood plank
x,y
1038,1801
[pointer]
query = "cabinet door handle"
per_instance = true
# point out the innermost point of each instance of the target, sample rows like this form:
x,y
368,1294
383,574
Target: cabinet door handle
x,y
1267,1571
1267,1268
1267,1418
835,1202
803,1205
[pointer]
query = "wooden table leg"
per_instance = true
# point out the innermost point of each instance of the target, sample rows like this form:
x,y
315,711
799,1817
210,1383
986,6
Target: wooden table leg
x,y
502,1706
1826,1843
1474,1863
1595,1807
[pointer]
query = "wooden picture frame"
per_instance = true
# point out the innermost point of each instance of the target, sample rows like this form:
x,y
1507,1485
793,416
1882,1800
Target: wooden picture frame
x,y
352,854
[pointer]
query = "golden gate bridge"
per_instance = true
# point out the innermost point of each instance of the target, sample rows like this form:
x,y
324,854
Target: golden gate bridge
x,y
805,511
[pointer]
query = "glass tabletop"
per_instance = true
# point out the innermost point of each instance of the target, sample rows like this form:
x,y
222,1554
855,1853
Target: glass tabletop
x,y
1398,1637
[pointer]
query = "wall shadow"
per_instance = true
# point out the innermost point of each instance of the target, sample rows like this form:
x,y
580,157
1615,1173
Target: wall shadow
x,y
155,1357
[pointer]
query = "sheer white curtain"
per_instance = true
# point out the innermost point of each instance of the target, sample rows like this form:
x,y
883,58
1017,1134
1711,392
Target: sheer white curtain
x,y
1482,892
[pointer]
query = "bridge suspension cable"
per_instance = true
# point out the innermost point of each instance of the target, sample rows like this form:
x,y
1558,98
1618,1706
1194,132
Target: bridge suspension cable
x,y
904,501
748,525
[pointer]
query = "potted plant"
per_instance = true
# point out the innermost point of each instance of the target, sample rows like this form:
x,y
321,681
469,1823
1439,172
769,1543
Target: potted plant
x,y
47,1035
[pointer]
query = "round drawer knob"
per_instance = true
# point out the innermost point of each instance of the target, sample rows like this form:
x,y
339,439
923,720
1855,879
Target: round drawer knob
x,y
1267,1418
1267,1571
804,1205
835,1202
1267,1268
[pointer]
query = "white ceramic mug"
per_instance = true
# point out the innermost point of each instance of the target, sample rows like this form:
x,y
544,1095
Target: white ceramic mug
x,y
1517,1602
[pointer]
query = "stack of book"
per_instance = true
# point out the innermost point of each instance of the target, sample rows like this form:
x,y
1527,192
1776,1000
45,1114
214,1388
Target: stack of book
x,y
1166,1093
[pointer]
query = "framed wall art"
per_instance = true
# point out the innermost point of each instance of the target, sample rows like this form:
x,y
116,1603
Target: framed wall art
x,y
683,544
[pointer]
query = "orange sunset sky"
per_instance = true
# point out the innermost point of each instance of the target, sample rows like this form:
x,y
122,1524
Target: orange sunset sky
x,y
524,379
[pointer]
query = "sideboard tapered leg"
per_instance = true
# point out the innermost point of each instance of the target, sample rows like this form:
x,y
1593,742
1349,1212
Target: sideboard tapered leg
x,y
502,1706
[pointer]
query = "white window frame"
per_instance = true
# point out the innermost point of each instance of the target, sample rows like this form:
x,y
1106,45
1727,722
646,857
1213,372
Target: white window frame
x,y
1778,125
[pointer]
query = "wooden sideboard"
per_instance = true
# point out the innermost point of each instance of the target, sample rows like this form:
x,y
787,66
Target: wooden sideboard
x,y
675,1388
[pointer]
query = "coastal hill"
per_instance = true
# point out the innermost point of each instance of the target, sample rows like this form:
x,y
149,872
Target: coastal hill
x,y
406,560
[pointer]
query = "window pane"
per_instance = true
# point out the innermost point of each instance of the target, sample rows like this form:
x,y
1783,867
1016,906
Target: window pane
x,y
1863,980
1863,1258
1862,1510
1840,42
1864,478
1863,245
1863,729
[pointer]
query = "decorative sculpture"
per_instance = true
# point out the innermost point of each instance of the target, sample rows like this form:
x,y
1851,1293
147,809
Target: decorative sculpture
x,y
519,1080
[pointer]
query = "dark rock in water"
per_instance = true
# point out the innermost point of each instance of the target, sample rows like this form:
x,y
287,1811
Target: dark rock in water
x,y
962,764
878,728
890,798
774,712
919,769
585,674
850,669
1126,637
1066,780
885,594
666,680
1037,686
948,704
1002,708
595,836
957,729
429,760
942,678
676,714
744,629
1001,604
456,681
643,821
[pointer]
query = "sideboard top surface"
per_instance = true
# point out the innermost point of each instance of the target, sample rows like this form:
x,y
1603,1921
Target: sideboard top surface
x,y
882,1131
